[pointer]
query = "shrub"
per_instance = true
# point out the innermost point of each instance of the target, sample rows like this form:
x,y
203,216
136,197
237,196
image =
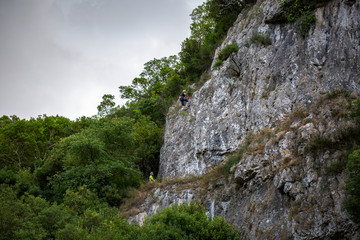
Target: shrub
x,y
355,114
81,200
230,163
115,228
217,64
352,204
234,159
320,144
30,217
260,39
187,221
227,51
25,182
72,232
7,176
335,93
295,11
15,218
337,166
52,217
305,22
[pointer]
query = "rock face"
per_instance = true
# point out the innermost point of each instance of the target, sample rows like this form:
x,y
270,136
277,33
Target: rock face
x,y
287,185
273,103
274,80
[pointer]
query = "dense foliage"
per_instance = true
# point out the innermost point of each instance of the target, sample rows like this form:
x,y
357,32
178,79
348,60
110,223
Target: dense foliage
x,y
74,192
299,12
211,21
82,217
190,221
26,144
352,203
352,186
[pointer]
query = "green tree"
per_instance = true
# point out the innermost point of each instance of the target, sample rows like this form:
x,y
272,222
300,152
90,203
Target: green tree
x,y
51,217
187,221
151,80
17,219
106,105
224,13
27,143
4,120
202,24
148,137
195,59
101,157
210,22
30,217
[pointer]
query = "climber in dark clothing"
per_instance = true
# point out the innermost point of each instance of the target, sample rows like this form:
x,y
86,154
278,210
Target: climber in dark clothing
x,y
183,99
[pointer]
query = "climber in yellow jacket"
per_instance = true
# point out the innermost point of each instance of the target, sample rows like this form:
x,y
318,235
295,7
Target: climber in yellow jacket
x,y
151,178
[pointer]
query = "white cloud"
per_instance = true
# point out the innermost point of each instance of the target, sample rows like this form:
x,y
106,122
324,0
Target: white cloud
x,y
61,57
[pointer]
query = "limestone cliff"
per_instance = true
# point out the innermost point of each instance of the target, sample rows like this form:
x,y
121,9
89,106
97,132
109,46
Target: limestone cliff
x,y
273,103
274,80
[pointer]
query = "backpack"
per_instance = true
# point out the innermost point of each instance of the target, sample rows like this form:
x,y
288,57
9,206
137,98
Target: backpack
x,y
182,96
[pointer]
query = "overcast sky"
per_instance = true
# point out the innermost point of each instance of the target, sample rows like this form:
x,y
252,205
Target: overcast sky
x,y
59,57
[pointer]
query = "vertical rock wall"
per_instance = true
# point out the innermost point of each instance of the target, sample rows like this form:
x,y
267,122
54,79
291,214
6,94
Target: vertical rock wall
x,y
273,81
281,188
284,186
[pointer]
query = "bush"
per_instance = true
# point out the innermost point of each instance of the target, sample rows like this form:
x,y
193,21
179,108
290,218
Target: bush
x,y
81,200
355,114
231,162
320,144
228,50
187,221
26,183
115,228
101,157
15,218
295,11
218,63
51,217
225,53
234,159
305,22
30,217
260,39
7,176
72,232
352,203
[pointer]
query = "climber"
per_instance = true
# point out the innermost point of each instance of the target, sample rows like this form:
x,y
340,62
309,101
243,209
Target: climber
x,y
151,178
183,99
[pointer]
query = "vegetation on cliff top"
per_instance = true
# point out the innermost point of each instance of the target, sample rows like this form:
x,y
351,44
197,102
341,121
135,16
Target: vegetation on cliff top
x,y
296,11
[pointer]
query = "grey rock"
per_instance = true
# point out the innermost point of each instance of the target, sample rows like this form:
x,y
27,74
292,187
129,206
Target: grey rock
x,y
275,80
279,190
